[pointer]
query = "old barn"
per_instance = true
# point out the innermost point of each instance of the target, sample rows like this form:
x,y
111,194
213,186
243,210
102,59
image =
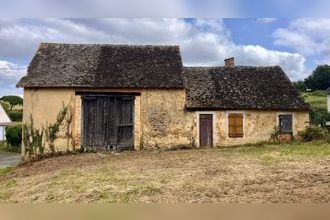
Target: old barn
x,y
141,97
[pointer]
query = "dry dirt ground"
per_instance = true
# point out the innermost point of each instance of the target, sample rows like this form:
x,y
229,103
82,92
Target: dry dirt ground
x,y
263,173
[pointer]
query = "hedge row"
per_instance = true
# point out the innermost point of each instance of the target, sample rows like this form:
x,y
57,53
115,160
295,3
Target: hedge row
x,y
14,135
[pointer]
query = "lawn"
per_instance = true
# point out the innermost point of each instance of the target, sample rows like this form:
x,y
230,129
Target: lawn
x,y
317,99
261,173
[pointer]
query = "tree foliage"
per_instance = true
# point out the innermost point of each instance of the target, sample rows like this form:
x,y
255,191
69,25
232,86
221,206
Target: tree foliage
x,y
320,78
300,85
5,106
15,115
12,100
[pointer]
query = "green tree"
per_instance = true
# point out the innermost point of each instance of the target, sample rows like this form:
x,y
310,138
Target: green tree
x,y
5,106
320,78
300,85
12,100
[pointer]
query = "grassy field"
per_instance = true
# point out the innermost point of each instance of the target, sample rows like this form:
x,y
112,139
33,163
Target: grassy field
x,y
317,99
264,173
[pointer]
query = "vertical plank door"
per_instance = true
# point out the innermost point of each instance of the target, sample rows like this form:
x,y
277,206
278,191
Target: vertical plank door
x,y
206,130
108,121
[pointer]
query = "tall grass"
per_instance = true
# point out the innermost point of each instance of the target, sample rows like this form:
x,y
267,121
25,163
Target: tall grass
x,y
318,102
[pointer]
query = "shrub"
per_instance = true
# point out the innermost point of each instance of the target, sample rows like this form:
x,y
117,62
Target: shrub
x,y
315,133
15,115
14,135
319,116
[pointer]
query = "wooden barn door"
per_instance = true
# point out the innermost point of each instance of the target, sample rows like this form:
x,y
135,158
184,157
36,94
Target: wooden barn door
x,y
206,130
108,121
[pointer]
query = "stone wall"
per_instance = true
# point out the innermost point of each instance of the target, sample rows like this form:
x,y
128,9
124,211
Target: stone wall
x,y
166,124
258,126
160,118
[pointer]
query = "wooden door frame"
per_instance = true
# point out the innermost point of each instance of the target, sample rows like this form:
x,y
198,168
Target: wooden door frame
x,y
293,120
83,96
214,135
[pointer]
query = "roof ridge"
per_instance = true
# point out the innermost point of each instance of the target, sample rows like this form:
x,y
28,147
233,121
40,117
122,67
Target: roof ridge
x,y
239,66
109,44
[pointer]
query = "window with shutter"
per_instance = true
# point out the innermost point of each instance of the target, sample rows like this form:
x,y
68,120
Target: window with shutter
x,y
285,123
235,125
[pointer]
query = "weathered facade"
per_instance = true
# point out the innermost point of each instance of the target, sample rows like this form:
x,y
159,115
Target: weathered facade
x,y
170,106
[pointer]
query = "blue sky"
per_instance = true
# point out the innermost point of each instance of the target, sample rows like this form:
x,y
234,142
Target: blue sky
x,y
297,45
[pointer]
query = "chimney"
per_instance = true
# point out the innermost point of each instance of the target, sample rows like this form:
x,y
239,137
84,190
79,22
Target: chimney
x,y
230,62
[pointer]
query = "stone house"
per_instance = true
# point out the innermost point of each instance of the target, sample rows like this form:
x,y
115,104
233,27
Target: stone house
x,y
141,97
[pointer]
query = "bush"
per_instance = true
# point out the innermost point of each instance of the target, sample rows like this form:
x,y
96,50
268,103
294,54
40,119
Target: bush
x,y
319,116
14,135
315,133
15,115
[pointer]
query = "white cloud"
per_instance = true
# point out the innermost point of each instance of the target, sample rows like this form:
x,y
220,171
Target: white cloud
x,y
202,41
10,73
307,36
292,63
266,20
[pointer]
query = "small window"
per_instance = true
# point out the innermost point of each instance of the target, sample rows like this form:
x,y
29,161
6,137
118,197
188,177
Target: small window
x,y
235,125
285,123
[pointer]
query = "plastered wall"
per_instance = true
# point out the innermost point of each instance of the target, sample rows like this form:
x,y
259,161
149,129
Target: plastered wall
x,y
160,118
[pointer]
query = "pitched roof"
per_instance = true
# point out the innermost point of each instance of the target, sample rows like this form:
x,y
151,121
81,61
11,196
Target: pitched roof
x,y
105,66
4,119
266,88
